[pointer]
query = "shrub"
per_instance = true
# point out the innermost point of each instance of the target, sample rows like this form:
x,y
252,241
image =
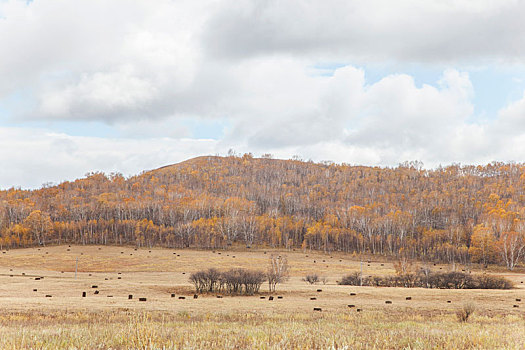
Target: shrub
x,y
311,279
465,312
439,280
233,281
354,279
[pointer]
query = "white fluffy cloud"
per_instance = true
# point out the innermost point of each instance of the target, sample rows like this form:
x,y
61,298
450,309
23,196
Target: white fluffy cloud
x,y
30,157
255,69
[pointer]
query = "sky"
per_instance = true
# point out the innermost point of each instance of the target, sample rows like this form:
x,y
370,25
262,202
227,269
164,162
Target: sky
x,y
127,85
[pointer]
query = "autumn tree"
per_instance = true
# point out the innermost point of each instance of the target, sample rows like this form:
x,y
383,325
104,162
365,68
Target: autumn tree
x,y
39,225
483,248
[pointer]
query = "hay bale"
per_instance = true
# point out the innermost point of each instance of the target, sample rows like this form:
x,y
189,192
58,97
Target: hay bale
x,y
318,309
351,305
48,295
352,294
110,296
182,298
388,302
449,301
319,290
280,297
143,299
36,278
35,290
262,297
313,298
408,298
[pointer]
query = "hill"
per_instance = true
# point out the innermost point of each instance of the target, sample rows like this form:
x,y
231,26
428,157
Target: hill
x,y
454,214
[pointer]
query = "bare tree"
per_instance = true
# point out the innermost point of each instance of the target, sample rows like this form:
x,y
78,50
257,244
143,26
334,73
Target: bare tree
x,y
277,271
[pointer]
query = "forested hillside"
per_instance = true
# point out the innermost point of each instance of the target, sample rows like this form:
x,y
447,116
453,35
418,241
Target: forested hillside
x,y
454,214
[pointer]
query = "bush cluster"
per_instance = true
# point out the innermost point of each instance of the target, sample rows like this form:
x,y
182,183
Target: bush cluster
x,y
439,280
311,279
233,281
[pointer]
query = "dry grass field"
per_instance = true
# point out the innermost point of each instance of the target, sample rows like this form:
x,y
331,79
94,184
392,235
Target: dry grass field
x,y
41,304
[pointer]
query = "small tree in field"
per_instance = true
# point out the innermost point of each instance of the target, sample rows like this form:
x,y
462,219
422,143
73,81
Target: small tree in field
x,y
277,271
404,264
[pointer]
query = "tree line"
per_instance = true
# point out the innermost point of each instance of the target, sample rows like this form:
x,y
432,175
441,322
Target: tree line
x,y
456,214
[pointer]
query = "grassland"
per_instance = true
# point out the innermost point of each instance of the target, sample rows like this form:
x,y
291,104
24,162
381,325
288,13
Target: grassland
x,y
29,319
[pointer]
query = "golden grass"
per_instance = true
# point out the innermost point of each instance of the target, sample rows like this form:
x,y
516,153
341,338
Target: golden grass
x,y
66,320
341,330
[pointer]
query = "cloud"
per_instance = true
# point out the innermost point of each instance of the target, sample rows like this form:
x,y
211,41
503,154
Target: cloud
x,y
374,30
36,156
128,60
119,60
